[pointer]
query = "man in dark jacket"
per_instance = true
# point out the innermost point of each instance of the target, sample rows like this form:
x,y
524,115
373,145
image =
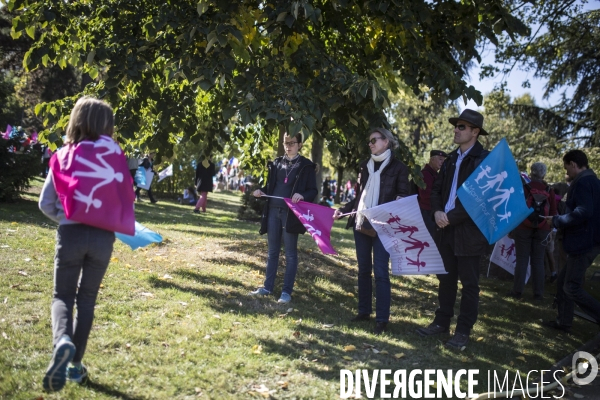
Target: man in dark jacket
x,y
581,227
460,242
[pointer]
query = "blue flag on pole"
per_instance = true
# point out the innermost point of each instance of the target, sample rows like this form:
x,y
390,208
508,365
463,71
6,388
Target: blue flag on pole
x,y
142,237
493,194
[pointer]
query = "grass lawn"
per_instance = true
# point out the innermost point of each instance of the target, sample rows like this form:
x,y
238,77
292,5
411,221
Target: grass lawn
x,y
175,321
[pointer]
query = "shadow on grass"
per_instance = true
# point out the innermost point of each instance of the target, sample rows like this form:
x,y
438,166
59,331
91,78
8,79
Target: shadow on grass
x,y
96,386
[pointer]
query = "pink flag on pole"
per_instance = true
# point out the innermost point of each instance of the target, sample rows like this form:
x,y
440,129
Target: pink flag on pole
x,y
317,220
7,133
94,184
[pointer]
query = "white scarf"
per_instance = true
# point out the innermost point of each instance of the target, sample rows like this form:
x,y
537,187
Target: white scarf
x,y
370,195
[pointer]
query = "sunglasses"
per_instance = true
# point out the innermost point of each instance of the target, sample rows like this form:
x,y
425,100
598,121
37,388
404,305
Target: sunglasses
x,y
462,127
374,140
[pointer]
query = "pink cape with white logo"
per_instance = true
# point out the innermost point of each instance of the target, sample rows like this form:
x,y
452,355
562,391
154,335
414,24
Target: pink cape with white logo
x,y
317,220
94,185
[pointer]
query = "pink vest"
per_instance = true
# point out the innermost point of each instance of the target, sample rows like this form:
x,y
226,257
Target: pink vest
x,y
94,185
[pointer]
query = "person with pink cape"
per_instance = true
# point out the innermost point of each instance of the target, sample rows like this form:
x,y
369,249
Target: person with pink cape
x,y
88,192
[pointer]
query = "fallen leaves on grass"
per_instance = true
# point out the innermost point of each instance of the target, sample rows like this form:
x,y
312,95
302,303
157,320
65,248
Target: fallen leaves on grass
x,y
262,390
349,348
257,349
398,355
4,335
283,385
328,325
521,358
23,273
480,338
146,294
348,358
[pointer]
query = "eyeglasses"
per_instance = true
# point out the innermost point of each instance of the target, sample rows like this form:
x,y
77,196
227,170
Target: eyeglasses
x,y
289,144
374,140
462,127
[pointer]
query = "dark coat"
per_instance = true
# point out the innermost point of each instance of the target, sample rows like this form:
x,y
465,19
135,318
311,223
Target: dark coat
x,y
581,223
305,184
429,175
468,239
206,177
393,183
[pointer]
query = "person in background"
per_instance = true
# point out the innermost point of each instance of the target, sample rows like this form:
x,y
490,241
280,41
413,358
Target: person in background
x,y
82,251
326,191
430,173
46,155
532,235
148,164
133,163
205,171
381,179
290,176
581,224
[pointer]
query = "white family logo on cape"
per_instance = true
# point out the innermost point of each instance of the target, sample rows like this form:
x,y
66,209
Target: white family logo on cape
x,y
402,232
103,171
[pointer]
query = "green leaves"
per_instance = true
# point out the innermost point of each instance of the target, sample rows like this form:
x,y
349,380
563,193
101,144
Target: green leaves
x,y
202,7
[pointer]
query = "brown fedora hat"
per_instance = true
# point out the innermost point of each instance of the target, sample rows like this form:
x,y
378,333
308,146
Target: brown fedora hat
x,y
471,116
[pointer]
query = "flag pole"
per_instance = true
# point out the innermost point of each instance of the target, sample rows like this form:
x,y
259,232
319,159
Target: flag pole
x,y
350,213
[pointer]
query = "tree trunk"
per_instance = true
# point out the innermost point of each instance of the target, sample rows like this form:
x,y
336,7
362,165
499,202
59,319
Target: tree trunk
x,y
340,185
316,155
280,149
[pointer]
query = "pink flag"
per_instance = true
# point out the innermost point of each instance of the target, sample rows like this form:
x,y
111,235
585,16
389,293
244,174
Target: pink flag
x,y
34,137
94,184
317,220
7,133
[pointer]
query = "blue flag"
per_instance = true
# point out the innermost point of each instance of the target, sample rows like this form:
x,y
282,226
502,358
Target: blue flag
x,y
142,237
493,194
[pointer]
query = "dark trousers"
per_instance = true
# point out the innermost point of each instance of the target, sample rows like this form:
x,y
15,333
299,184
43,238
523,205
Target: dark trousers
x,y
373,258
149,190
82,256
467,270
275,234
569,288
529,248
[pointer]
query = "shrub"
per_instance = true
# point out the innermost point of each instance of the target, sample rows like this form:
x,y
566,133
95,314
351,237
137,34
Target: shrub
x,y
251,208
17,169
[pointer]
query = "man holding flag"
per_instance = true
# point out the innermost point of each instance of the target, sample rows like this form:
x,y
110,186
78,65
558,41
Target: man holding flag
x,y
461,243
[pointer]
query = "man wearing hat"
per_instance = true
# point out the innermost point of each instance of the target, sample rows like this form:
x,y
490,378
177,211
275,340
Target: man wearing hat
x,y
429,172
460,242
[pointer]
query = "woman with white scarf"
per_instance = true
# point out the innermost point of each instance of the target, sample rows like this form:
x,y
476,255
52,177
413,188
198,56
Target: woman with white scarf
x,y
381,179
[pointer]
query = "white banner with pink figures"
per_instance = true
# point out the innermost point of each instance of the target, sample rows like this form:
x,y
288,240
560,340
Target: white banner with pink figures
x,y
400,227
505,256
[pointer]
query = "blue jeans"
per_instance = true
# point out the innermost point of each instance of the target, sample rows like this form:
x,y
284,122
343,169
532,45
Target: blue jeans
x,y
569,288
275,233
81,259
373,258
